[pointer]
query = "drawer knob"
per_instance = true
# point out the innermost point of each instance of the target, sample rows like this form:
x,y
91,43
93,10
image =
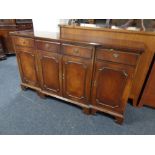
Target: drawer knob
x,y
76,51
115,55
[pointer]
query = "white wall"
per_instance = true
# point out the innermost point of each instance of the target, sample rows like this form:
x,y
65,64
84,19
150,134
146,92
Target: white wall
x,y
47,24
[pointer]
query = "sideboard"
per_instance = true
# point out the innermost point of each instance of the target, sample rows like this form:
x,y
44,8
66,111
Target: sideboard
x,y
97,74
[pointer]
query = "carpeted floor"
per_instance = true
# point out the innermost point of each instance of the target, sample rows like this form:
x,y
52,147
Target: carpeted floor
x,y
23,112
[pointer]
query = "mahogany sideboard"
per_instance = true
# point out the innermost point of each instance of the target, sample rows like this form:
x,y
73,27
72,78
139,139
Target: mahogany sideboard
x,y
96,76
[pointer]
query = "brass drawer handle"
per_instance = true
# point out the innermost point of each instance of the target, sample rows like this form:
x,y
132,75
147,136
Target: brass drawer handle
x,y
46,45
111,49
76,51
63,76
126,74
115,55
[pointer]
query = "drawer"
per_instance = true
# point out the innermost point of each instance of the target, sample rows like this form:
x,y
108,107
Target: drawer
x,y
117,56
20,49
79,51
48,46
27,42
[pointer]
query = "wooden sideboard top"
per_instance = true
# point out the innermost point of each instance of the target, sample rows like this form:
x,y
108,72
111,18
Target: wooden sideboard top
x,y
133,46
46,35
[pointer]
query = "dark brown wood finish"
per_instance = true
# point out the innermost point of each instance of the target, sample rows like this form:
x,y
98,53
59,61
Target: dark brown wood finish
x,y
78,51
117,56
26,42
27,63
26,57
77,79
50,66
111,86
48,46
97,77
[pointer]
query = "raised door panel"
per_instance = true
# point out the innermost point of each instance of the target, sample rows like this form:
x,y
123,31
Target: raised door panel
x,y
76,79
28,68
111,86
51,72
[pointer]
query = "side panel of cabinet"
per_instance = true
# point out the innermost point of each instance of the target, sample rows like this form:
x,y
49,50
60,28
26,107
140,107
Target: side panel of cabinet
x,y
50,68
77,79
10,45
2,54
27,64
7,41
148,96
111,86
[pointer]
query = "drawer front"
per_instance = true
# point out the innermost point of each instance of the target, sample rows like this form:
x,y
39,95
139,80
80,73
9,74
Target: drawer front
x,y
79,51
20,49
27,42
48,46
117,56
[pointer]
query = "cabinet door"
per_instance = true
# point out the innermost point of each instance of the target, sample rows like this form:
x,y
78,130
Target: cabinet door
x,y
111,85
27,64
76,79
50,66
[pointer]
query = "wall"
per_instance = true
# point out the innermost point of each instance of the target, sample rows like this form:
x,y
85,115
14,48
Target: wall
x,y
47,24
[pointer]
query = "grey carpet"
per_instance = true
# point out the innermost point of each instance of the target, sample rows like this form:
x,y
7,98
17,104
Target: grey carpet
x,y
23,112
